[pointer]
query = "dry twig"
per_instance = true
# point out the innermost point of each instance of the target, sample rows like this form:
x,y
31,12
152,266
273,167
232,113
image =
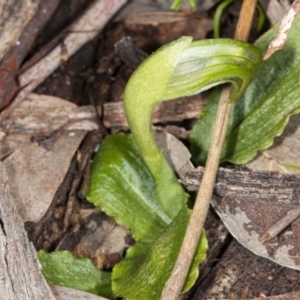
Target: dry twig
x,y
174,285
284,28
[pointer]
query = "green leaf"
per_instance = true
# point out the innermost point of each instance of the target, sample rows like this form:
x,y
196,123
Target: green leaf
x,y
62,268
150,264
263,110
122,185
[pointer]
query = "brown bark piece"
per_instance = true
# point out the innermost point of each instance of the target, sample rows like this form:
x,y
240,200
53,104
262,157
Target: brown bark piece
x,y
56,113
8,143
253,202
264,187
20,271
101,239
179,132
139,6
174,110
165,32
42,115
129,53
239,274
289,296
175,152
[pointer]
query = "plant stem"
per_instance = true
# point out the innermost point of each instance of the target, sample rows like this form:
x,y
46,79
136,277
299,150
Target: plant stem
x,y
176,281
217,17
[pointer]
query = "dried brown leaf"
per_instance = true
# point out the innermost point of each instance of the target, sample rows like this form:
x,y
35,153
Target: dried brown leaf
x,y
35,173
36,169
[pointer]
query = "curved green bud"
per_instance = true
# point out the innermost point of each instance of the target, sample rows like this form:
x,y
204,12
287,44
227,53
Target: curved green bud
x,y
207,63
182,68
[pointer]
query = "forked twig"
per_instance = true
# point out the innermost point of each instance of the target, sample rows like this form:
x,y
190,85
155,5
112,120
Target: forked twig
x,y
176,281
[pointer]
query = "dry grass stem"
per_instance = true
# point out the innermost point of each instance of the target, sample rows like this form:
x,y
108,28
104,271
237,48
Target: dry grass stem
x,y
176,281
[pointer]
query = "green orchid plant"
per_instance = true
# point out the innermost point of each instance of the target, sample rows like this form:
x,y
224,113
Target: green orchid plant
x,y
132,181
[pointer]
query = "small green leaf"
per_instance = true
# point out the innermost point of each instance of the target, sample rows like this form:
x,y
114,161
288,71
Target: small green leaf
x,y
62,268
150,264
122,185
264,109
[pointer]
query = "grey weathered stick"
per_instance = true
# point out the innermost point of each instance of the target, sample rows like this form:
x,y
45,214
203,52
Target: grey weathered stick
x,y
20,270
176,281
168,111
26,117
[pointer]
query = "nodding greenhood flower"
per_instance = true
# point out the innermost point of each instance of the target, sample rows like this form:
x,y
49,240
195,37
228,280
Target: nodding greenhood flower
x,y
182,68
